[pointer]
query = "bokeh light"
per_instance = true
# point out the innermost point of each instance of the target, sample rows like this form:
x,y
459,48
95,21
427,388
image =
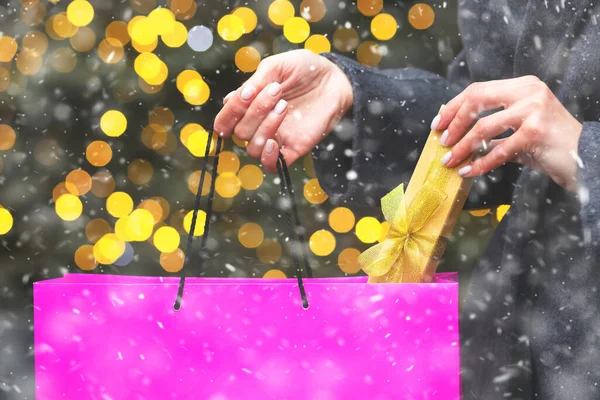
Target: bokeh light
x,y
369,53
228,185
248,17
108,249
296,30
8,48
33,40
98,153
155,208
84,40
78,182
176,37
318,44
68,207
196,92
172,262
200,38
345,39
184,77
113,123
84,257
322,243
313,10
251,177
6,221
269,251
247,59
200,222
280,11
383,26
7,137
64,60
4,79
118,30
97,228
140,171
59,190
29,62
348,260
80,12
194,180
480,213
111,51
274,274
143,33
228,162
501,211
368,230
63,27
314,193
251,235
162,20
341,219
166,239
139,225
421,16
369,8
230,27
119,204
103,184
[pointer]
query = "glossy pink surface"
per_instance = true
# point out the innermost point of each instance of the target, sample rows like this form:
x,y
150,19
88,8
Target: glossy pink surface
x,y
117,337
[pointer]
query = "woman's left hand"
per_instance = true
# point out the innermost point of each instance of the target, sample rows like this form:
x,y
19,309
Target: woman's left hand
x,y
545,137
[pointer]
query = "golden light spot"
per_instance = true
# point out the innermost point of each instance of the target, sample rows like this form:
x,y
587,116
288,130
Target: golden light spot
x,y
314,193
7,137
228,162
103,184
369,53
200,223
370,8
348,261
68,207
251,177
32,13
63,27
247,59
239,142
98,153
185,76
341,219
33,40
59,190
501,211
108,249
180,6
421,16
118,30
251,235
113,123
162,19
383,26
196,142
148,88
248,17
187,15
176,37
119,204
368,230
479,213
155,208
309,167
84,40
196,92
322,243
50,29
164,204
64,60
164,143
194,180
6,221
228,185
280,11
230,27
96,228
132,23
78,182
29,62
345,39
385,229
313,10
139,225
172,262
318,44
111,51
121,230
143,33
140,171
162,116
147,65
80,12
269,252
166,239
274,274
296,29
84,257
4,79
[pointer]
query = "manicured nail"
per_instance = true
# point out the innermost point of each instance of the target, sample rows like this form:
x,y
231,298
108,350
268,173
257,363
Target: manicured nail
x,y
270,145
274,89
435,122
444,138
228,96
465,170
248,92
280,107
446,158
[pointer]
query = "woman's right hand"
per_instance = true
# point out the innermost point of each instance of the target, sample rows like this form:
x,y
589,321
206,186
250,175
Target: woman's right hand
x,y
291,103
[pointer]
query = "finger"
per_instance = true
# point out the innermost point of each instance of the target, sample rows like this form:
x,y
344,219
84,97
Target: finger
x,y
523,158
502,153
483,131
262,106
269,156
267,129
226,98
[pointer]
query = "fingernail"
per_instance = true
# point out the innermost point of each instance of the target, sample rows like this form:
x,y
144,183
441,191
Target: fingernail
x,y
270,145
228,96
446,158
274,89
248,92
280,107
444,138
465,170
435,122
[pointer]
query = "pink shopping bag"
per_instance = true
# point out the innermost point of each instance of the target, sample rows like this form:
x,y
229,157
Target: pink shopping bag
x,y
104,337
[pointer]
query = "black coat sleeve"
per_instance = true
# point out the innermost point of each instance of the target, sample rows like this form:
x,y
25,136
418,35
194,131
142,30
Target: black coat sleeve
x,y
377,146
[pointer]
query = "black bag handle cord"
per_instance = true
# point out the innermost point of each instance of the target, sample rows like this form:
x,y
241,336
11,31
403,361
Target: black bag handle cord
x,y
285,185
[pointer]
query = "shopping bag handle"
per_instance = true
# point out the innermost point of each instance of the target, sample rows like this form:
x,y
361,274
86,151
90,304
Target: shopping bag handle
x,y
286,190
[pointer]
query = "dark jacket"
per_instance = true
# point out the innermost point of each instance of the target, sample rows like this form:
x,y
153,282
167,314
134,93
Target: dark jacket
x,y
530,324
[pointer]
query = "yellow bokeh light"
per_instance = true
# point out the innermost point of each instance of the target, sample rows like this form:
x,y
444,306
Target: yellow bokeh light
x,y
29,62
96,228
121,230
147,65
118,30
32,12
230,27
110,51
251,235
8,48
369,8
59,190
113,123
383,26
200,223
479,213
314,193
108,249
280,11
341,219
148,88
185,76
421,16
84,257
7,137
78,182
345,39
248,16
140,171
269,252
172,262
6,221
348,261
196,142
119,204
228,185
317,44
251,177
322,243
501,211
274,274
194,180
166,239
228,162
143,33
196,92
369,53
162,19
139,225
80,13
98,153
247,59
34,40
164,204
161,77
63,27
155,207
176,37
84,40
368,230
309,166
132,23
239,142
68,207
296,30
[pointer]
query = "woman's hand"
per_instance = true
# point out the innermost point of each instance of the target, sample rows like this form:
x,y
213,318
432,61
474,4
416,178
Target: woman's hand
x,y
545,138
291,103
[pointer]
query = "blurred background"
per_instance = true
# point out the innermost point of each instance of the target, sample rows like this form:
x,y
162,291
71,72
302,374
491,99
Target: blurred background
x,y
100,147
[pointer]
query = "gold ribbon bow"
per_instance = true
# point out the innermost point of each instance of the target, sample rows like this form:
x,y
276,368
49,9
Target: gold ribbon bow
x,y
397,257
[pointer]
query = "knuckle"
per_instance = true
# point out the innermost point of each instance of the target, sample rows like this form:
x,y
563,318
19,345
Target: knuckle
x,y
531,78
262,107
241,132
253,151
